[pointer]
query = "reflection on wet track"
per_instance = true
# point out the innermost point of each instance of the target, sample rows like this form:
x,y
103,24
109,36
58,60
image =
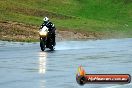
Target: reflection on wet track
x,y
23,65
42,62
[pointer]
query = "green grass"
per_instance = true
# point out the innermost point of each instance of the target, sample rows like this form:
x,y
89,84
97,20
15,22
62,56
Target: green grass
x,y
86,15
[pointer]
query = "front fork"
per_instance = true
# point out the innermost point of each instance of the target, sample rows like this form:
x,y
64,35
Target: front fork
x,y
43,39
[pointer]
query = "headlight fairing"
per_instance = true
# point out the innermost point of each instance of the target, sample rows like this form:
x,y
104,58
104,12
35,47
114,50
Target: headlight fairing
x,y
43,33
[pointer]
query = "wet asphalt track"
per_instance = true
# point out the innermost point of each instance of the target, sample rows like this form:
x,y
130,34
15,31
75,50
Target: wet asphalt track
x,y
23,65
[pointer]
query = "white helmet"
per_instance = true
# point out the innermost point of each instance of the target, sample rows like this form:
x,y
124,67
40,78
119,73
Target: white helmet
x,y
46,19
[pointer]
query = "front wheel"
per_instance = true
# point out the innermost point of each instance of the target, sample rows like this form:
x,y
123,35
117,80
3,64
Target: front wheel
x,y
42,45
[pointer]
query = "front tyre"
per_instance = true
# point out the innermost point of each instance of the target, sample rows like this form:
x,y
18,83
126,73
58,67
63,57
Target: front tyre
x,y
42,45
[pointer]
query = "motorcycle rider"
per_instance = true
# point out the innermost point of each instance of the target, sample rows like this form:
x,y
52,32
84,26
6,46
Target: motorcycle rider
x,y
51,28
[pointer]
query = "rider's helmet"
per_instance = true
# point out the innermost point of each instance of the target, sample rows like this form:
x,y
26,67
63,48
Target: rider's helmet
x,y
46,19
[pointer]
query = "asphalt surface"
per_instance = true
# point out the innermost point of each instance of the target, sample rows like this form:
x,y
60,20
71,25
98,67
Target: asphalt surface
x,y
24,65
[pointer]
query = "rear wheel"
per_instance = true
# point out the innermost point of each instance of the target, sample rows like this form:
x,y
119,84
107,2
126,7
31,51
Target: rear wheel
x,y
51,45
52,48
42,45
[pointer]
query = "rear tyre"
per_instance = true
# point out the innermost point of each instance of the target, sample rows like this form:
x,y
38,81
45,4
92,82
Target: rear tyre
x,y
51,45
42,45
52,48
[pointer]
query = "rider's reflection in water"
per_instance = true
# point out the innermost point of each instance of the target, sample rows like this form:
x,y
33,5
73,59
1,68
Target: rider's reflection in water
x,y
42,67
42,62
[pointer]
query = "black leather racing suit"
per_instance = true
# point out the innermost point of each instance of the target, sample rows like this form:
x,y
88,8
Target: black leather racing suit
x,y
52,29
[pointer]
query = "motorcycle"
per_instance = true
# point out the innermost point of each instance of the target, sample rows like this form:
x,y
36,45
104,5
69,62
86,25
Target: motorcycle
x,y
46,40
